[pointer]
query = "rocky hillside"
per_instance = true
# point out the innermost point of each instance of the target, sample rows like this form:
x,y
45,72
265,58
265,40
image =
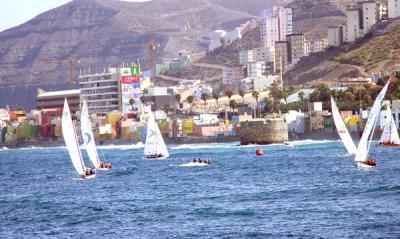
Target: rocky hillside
x,y
100,33
377,52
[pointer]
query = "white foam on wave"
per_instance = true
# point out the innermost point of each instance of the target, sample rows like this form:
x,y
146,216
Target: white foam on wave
x,y
204,146
311,142
4,148
122,147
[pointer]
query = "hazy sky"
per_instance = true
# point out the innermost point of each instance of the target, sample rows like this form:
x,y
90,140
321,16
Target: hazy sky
x,y
16,12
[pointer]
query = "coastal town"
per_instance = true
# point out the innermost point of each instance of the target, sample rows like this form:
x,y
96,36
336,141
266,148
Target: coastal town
x,y
118,98
200,119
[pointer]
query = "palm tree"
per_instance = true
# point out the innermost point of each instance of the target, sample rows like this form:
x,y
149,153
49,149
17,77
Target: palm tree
x,y
216,97
232,105
255,95
131,102
242,93
301,96
204,97
229,94
190,99
178,100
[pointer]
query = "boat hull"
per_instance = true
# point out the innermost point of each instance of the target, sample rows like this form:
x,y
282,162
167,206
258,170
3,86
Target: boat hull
x,y
389,144
103,169
88,177
365,165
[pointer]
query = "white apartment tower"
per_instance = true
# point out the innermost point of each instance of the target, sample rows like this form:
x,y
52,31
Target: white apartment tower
x,y
276,27
269,32
101,91
285,21
353,24
394,8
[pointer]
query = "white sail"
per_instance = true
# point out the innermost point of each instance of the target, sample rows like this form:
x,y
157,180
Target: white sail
x,y
362,150
87,135
155,144
71,141
389,134
342,130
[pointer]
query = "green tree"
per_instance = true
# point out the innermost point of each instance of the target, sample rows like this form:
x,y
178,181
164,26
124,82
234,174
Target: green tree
x,y
216,97
232,105
229,94
242,93
255,95
190,100
178,100
204,97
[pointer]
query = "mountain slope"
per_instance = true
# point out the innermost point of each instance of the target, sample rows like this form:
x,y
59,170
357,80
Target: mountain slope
x,y
95,32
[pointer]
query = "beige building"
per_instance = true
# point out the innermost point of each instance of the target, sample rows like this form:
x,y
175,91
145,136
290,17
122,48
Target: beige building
x,y
295,47
269,31
335,36
280,54
369,15
256,69
246,56
394,8
353,24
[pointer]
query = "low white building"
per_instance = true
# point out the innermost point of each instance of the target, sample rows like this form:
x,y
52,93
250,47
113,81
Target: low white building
x,y
216,39
246,57
259,83
198,90
295,121
256,69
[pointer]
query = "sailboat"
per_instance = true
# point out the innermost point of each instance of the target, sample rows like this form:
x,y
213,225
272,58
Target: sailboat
x,y
69,134
364,145
390,136
155,146
342,129
88,139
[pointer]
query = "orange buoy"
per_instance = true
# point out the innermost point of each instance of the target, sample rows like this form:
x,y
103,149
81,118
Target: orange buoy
x,y
259,152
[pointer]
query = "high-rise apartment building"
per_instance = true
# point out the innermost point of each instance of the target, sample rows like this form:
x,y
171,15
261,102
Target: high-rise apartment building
x,y
353,24
335,36
269,32
369,15
295,47
101,91
285,21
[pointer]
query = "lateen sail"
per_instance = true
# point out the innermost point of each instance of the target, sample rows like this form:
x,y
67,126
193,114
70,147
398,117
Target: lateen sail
x,y
362,150
71,141
389,134
87,134
342,130
155,144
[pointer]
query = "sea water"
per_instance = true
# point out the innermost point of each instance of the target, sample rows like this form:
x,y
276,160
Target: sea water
x,y
312,190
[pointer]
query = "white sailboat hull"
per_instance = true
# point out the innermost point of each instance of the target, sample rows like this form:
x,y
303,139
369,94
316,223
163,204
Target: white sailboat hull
x,y
88,177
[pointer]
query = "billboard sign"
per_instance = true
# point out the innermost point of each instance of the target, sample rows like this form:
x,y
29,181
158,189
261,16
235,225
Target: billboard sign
x,y
130,89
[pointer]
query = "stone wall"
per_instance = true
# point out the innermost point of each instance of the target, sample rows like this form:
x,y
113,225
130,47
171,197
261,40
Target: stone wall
x,y
272,130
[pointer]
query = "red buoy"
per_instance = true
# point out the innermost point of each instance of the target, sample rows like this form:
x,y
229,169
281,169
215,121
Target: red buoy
x,y
259,152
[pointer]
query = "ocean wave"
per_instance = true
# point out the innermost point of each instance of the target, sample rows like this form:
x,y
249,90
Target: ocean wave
x,y
122,147
312,141
4,148
204,146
